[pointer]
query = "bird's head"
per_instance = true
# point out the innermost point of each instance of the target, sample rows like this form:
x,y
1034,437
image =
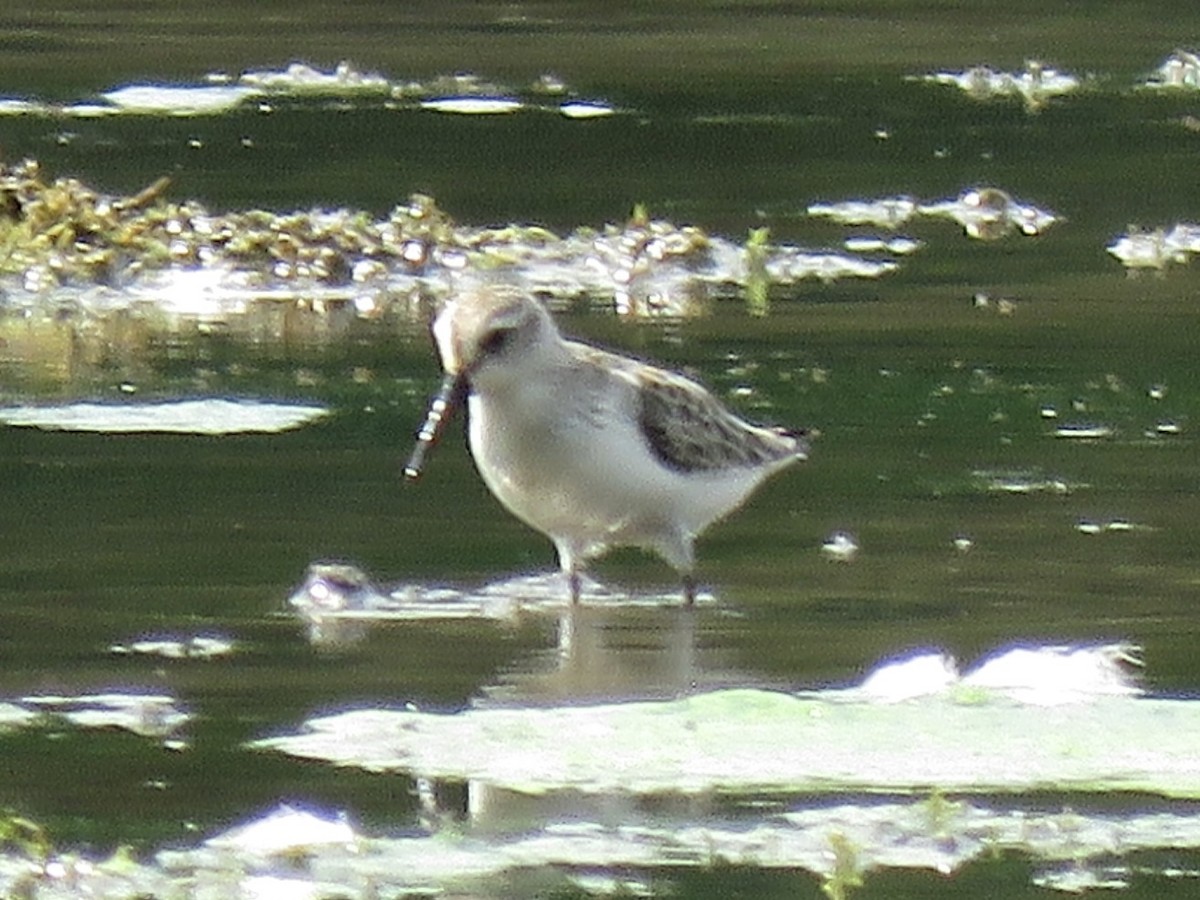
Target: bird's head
x,y
483,333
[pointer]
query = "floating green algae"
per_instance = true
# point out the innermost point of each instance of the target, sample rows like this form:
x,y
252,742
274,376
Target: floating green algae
x,y
748,740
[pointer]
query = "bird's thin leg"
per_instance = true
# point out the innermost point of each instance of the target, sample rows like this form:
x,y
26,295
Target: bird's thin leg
x,y
569,563
689,589
678,550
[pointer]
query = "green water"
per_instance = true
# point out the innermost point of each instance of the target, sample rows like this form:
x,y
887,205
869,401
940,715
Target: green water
x,y
742,116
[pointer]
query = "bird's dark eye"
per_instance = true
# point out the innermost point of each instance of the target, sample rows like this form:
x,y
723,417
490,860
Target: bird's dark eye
x,y
495,341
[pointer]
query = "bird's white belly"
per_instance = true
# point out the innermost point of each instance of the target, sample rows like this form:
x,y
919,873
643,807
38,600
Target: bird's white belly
x,y
596,484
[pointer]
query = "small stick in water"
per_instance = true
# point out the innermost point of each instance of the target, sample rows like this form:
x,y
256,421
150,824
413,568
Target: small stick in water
x,y
440,410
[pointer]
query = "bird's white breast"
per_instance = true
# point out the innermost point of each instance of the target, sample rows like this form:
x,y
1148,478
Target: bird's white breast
x,y
578,467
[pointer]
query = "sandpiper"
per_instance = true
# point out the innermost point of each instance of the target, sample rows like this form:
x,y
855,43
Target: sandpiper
x,y
593,449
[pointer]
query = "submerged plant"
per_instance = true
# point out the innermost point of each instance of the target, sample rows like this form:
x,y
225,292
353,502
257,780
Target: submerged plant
x,y
846,872
941,814
24,835
757,277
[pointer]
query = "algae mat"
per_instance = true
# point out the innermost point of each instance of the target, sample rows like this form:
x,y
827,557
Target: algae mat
x,y
752,741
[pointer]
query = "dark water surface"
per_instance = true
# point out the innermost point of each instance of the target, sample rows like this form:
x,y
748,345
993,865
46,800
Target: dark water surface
x,y
743,115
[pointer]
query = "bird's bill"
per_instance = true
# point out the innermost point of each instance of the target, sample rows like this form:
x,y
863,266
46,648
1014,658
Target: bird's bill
x,y
802,445
441,410
445,339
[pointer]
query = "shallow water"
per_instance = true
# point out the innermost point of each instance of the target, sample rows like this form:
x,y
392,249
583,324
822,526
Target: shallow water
x,y
937,412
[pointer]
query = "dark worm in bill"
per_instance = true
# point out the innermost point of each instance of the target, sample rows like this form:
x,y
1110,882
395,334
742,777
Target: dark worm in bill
x,y
441,409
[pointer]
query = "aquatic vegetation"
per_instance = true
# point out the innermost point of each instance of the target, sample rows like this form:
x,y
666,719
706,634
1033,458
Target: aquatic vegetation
x,y
985,213
301,78
213,416
919,675
338,600
1111,526
727,740
458,84
840,547
155,99
845,872
1042,675
294,852
1156,248
63,242
462,93
958,734
209,299
473,106
1021,481
51,231
586,109
989,214
1084,431
11,106
887,212
757,277
148,715
901,246
1004,306
195,647
1035,86
287,831
1179,71
24,835
791,264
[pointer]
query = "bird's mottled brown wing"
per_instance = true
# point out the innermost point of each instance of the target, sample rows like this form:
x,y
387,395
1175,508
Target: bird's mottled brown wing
x,y
689,430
